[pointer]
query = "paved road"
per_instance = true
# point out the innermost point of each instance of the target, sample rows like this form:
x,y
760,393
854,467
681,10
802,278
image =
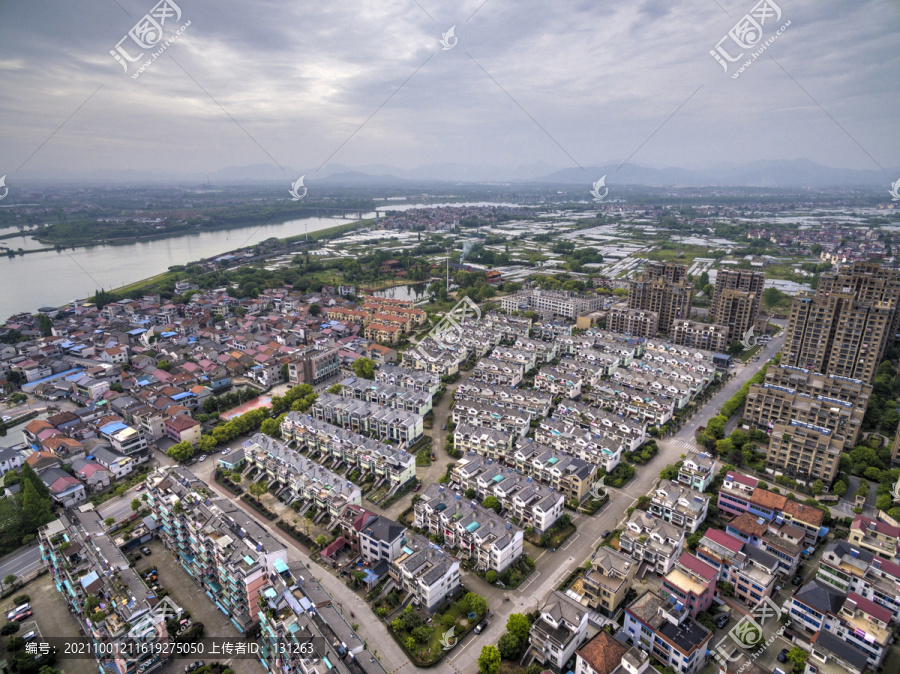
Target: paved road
x,y
20,562
551,567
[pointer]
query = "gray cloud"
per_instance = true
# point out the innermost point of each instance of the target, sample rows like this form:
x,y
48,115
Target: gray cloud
x,y
599,77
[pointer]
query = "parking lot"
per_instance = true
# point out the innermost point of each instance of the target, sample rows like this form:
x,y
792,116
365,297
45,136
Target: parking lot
x,y
52,619
187,593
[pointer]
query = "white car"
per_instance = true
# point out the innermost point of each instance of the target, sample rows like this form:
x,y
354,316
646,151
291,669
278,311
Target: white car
x,y
17,609
202,458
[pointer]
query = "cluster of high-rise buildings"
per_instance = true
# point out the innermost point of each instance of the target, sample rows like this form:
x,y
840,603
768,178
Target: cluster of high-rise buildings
x,y
814,402
659,301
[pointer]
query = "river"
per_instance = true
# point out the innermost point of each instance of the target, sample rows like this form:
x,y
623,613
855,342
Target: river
x,y
55,278
52,278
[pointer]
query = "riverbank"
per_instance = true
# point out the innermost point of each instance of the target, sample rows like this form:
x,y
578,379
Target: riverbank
x,y
95,235
152,283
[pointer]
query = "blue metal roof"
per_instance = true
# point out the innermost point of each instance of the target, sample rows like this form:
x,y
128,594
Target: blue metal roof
x,y
113,427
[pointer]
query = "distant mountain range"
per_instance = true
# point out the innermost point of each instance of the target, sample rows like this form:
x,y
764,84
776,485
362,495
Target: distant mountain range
x,y
797,173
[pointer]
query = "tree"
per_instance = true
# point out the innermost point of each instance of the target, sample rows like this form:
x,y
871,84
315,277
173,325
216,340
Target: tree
x,y
271,428
181,452
314,310
816,249
489,660
735,349
164,365
817,487
206,444
364,368
257,489
45,325
643,502
135,505
519,625
492,502
109,521
884,502
321,540
10,579
335,389
491,576
798,657
470,493
476,603
35,508
716,427
422,633
447,621
839,488
509,646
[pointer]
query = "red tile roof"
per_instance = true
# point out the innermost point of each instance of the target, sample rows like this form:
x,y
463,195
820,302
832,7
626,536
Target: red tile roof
x,y
698,566
724,539
870,607
881,527
743,479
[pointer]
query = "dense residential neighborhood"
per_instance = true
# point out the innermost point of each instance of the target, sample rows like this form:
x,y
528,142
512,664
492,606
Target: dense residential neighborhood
x,y
504,467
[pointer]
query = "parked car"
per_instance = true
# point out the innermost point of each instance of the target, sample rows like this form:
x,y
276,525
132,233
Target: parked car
x,y
142,486
480,627
147,551
197,664
18,609
443,428
782,656
796,580
225,451
416,488
606,533
28,636
721,620
203,458
19,617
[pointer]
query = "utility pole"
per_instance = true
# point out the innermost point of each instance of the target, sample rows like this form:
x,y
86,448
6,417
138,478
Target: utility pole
x,y
448,270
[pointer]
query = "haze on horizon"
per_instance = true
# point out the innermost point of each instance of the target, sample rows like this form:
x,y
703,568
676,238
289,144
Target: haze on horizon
x,y
574,83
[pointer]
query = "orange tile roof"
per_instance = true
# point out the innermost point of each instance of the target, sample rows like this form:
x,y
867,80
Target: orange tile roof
x,y
749,524
804,513
603,652
767,499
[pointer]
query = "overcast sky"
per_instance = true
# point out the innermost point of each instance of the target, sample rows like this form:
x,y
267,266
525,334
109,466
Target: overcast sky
x,y
562,83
